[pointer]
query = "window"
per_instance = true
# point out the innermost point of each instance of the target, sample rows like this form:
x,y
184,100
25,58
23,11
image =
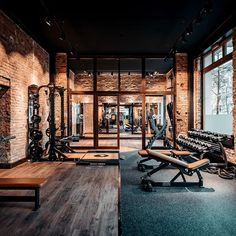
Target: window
x,y
217,54
218,99
207,60
229,47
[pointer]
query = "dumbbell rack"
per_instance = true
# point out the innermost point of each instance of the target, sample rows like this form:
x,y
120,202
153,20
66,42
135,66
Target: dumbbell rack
x,y
205,145
226,140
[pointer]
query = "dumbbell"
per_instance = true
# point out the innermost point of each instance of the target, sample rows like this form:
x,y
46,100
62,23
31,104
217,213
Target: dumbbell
x,y
35,152
36,135
36,106
36,95
36,119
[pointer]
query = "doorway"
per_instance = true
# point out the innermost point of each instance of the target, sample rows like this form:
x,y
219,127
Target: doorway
x,y
108,122
130,121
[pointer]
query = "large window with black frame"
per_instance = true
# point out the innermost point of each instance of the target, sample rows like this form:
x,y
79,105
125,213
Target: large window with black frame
x,y
218,87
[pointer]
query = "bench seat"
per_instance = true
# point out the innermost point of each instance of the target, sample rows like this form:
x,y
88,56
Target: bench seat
x,y
22,184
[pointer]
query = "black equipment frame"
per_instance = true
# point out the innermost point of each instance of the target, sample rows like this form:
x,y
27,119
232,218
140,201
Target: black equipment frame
x,y
55,150
148,183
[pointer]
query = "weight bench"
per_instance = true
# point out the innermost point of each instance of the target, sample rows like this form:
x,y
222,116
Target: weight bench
x,y
22,184
144,154
184,169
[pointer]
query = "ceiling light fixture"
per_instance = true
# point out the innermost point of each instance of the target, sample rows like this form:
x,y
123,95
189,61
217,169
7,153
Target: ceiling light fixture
x,y
62,36
48,21
208,8
189,30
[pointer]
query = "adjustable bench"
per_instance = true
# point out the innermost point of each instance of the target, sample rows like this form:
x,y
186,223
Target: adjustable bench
x,y
144,154
22,184
184,169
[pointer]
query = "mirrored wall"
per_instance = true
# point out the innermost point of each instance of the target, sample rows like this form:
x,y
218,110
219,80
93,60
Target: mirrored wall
x,y
82,120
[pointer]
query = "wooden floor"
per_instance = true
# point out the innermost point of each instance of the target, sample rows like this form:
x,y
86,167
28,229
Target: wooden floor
x,y
76,200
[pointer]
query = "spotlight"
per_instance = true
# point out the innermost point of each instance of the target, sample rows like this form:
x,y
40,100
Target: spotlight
x,y
48,21
72,52
189,30
62,36
89,74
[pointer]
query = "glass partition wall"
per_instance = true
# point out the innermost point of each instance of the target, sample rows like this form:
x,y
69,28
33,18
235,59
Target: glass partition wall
x,y
111,97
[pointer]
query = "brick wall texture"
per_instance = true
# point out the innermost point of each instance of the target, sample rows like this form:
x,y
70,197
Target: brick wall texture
x,y
24,62
182,96
5,112
156,83
107,82
197,93
83,82
132,82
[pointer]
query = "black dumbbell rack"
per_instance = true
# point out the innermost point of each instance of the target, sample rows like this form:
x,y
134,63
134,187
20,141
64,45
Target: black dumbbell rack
x,y
226,140
211,149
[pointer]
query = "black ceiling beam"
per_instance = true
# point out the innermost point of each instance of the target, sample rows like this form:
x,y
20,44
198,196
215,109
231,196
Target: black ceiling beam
x,y
118,55
222,29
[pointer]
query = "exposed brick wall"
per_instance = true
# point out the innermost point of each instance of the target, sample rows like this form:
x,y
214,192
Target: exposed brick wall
x,y
5,117
197,99
24,62
83,82
61,80
156,83
128,99
182,96
132,82
107,82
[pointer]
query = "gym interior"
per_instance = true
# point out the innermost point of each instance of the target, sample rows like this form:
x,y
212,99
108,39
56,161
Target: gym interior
x,y
117,119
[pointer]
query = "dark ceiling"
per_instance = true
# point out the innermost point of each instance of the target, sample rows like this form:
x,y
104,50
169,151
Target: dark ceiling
x,y
123,28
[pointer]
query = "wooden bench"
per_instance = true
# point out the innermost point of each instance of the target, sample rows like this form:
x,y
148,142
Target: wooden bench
x,y
22,184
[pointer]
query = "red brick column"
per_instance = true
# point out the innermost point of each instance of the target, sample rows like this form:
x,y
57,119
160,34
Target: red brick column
x,y
197,93
182,96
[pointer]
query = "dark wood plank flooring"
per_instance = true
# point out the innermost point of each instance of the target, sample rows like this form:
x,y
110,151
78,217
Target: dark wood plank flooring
x,y
76,200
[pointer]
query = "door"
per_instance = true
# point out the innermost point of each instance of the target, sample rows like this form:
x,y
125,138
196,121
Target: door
x,y
107,121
